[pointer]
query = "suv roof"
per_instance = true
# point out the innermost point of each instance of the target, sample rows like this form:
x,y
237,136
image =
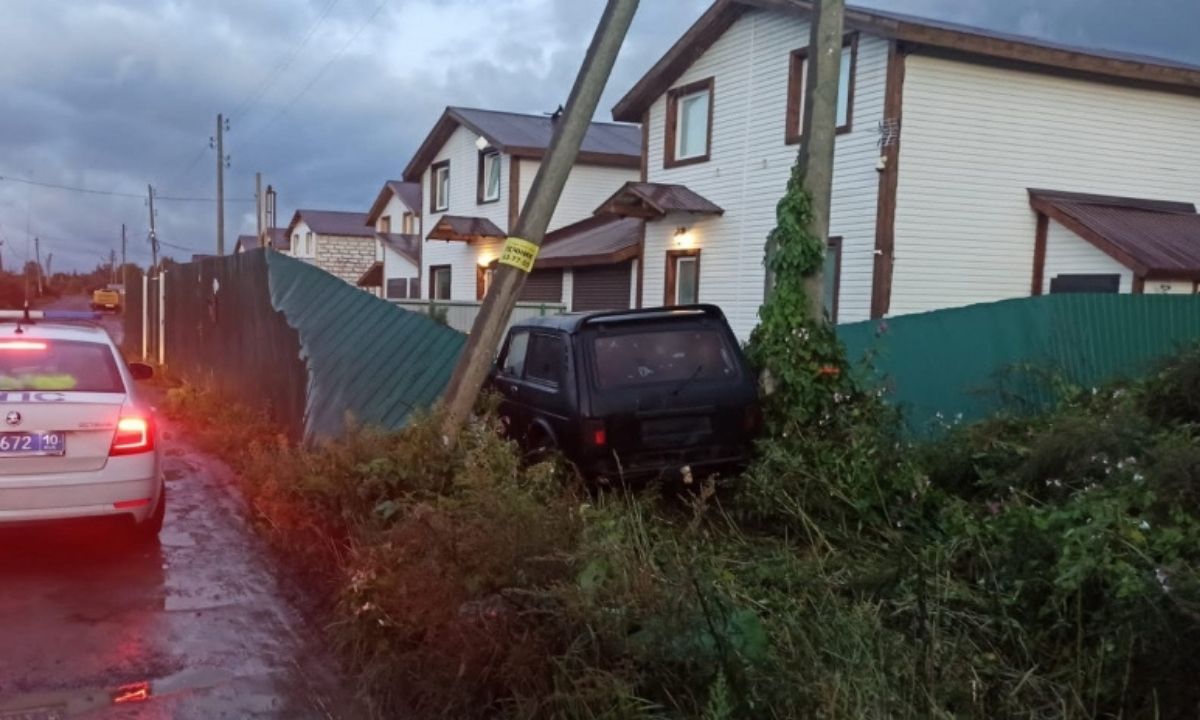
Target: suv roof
x,y
572,323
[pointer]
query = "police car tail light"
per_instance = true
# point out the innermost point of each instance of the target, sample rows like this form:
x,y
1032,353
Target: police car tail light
x,y
135,434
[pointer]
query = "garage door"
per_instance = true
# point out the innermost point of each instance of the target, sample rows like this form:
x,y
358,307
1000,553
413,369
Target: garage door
x,y
604,287
543,286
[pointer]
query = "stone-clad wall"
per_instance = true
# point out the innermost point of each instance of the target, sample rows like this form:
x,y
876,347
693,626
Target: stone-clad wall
x,y
346,257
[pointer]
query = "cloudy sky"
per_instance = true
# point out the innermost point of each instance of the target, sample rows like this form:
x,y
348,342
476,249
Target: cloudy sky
x,y
328,98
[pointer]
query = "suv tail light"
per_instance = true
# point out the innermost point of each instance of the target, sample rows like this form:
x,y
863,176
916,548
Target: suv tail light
x,y
135,434
594,433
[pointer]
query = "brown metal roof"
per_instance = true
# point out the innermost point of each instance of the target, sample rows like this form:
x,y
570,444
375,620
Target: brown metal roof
x,y
373,277
653,200
521,135
408,246
278,237
408,192
1156,239
464,229
915,33
595,241
333,222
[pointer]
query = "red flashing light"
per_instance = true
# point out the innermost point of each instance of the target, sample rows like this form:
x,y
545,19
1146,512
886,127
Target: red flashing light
x,y
600,438
135,434
22,345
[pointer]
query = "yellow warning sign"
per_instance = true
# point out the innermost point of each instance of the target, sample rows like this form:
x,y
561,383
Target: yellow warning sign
x,y
519,253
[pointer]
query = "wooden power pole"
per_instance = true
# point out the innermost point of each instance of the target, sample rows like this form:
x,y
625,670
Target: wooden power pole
x,y
819,129
122,248
37,252
521,249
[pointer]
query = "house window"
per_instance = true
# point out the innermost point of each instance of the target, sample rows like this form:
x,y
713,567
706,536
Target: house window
x,y
414,288
689,124
683,277
385,224
831,277
1085,284
398,289
798,83
310,248
439,191
489,177
409,224
483,280
439,282
296,244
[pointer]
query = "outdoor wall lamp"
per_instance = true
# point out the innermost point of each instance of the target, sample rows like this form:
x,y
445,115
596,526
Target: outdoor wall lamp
x,y
683,237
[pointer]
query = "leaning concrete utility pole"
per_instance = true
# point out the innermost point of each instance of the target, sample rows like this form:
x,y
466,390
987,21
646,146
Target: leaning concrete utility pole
x,y
818,134
221,161
819,129
521,249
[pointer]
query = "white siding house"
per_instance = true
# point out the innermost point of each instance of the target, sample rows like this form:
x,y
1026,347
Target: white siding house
x,y
396,218
491,159
945,133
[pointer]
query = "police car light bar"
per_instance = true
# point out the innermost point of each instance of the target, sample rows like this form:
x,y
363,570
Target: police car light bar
x,y
26,315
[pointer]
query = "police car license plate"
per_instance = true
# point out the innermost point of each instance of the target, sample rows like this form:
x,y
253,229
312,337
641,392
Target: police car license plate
x,y
33,443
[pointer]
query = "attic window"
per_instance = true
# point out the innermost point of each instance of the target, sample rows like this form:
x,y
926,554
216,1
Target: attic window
x,y
409,225
689,124
798,83
489,176
439,190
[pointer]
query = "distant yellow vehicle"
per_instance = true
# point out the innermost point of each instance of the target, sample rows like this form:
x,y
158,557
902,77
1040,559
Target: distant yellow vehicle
x,y
106,299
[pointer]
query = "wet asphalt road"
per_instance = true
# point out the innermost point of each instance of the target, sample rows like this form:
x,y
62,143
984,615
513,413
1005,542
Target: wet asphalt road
x,y
196,626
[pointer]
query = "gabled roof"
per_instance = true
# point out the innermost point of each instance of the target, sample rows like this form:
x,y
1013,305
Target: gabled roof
x,y
597,240
278,237
333,222
464,229
408,192
528,136
407,246
914,32
1154,238
654,200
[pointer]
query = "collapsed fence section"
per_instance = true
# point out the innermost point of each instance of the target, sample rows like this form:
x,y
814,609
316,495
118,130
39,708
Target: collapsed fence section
x,y
271,332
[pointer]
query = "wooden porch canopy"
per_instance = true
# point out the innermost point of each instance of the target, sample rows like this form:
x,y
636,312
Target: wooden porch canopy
x,y
465,229
373,277
603,240
651,201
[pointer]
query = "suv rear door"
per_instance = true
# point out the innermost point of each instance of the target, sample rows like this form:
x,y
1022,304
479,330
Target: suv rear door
x,y
531,377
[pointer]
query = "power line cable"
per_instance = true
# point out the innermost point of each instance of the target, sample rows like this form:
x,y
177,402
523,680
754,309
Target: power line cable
x,y
320,73
112,193
264,87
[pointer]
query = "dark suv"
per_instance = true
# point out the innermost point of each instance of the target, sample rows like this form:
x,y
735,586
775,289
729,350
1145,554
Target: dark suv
x,y
631,394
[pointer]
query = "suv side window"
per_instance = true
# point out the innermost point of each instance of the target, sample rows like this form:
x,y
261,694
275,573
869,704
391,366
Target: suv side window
x,y
513,363
546,359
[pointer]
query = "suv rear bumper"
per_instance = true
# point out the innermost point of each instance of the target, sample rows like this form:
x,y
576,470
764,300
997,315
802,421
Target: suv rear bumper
x,y
651,464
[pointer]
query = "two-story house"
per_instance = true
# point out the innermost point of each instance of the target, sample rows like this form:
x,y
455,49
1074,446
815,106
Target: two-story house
x,y
476,168
396,218
340,243
970,166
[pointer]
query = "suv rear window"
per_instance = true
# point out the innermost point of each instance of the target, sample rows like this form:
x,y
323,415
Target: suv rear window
x,y
655,356
62,365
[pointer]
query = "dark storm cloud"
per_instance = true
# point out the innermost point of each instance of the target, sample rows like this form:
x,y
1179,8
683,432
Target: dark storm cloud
x,y
114,94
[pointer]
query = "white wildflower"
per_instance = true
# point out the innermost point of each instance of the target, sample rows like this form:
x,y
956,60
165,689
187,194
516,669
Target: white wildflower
x,y
1144,525
1162,577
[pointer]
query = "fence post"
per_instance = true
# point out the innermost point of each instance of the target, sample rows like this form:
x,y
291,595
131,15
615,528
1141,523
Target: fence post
x,y
145,317
162,318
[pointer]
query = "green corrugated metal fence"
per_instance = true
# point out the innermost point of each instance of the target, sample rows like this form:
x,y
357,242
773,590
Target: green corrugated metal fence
x,y
960,362
365,357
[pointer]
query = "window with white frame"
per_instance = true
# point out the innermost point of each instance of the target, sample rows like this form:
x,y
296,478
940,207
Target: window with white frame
x,y
489,176
439,191
409,224
689,120
310,246
385,224
683,277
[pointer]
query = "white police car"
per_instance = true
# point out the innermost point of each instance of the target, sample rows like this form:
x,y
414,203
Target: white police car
x,y
75,441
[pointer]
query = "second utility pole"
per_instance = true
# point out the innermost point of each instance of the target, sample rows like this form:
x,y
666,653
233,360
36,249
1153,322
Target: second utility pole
x,y
153,236
220,184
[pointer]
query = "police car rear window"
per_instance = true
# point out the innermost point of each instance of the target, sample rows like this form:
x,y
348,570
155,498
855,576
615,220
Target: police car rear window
x,y
654,356
58,365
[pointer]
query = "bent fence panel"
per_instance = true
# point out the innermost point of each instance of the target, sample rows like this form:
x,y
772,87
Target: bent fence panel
x,y
967,363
